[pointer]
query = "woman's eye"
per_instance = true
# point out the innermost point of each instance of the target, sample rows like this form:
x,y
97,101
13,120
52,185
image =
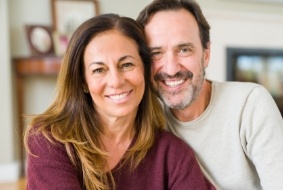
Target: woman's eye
x,y
100,70
127,66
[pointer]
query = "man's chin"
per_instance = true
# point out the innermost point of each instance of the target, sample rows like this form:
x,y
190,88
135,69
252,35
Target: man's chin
x,y
171,103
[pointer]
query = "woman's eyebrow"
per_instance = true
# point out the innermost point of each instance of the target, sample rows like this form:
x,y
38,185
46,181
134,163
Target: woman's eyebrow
x,y
96,63
125,57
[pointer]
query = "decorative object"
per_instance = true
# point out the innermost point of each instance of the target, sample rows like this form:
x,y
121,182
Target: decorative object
x,y
67,15
61,42
40,39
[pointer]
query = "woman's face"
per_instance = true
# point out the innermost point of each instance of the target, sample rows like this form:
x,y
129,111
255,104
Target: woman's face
x,y
114,74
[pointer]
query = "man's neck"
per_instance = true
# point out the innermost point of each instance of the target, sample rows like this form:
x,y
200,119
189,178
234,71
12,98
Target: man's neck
x,y
197,107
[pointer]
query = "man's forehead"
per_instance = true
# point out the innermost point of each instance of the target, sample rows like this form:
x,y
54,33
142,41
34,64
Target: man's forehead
x,y
175,27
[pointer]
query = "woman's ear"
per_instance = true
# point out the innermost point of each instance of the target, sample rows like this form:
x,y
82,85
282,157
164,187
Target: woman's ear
x,y
85,88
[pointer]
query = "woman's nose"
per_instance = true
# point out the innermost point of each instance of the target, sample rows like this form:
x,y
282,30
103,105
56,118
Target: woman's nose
x,y
115,78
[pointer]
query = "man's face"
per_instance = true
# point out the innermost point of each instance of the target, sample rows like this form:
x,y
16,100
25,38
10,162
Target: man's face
x,y
178,57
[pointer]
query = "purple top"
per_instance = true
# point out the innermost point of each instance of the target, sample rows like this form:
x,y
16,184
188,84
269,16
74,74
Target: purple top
x,y
170,164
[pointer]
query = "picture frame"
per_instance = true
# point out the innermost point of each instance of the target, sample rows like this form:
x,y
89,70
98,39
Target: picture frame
x,y
67,15
40,39
262,66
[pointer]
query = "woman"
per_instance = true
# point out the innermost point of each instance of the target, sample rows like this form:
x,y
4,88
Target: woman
x,y
105,127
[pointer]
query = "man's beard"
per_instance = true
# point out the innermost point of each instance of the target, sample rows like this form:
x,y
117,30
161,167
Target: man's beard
x,y
183,98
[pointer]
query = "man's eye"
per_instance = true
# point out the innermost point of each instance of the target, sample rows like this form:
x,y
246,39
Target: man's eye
x,y
184,50
156,55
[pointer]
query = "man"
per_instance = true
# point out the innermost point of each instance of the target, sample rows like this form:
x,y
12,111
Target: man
x,y
235,128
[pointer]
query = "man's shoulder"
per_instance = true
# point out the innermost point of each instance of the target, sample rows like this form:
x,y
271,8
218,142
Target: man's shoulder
x,y
235,87
235,84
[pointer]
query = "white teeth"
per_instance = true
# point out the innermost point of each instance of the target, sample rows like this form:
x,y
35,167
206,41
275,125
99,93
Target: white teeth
x,y
118,96
174,83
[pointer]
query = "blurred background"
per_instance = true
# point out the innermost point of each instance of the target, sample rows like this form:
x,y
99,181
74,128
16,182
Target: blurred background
x,y
236,24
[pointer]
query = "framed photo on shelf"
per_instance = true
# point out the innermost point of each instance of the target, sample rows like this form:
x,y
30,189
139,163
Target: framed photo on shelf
x,y
40,39
67,15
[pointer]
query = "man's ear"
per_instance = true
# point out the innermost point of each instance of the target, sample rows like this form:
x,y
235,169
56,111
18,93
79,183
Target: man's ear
x,y
206,54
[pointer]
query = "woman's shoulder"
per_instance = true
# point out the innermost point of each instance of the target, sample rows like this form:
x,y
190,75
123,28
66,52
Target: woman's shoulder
x,y
43,143
167,137
180,162
49,166
170,142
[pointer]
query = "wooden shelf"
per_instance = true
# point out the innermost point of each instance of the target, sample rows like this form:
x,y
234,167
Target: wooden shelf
x,y
37,65
25,67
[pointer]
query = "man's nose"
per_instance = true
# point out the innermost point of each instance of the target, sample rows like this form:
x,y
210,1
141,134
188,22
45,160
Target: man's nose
x,y
171,64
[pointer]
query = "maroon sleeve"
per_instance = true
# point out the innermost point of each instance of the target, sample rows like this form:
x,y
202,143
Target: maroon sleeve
x,y
50,167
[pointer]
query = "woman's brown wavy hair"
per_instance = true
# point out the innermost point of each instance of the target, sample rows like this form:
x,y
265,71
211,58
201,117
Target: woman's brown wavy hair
x,y
72,120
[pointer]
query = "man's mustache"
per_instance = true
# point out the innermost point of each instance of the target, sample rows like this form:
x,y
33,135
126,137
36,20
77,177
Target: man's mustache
x,y
178,75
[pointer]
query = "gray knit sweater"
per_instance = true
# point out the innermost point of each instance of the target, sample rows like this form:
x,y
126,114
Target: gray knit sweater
x,y
238,140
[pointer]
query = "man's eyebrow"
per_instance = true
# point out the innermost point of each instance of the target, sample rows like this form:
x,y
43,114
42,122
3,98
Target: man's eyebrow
x,y
186,44
178,46
154,48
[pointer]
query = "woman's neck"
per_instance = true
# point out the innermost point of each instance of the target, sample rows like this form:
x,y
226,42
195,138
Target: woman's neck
x,y
116,139
118,130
